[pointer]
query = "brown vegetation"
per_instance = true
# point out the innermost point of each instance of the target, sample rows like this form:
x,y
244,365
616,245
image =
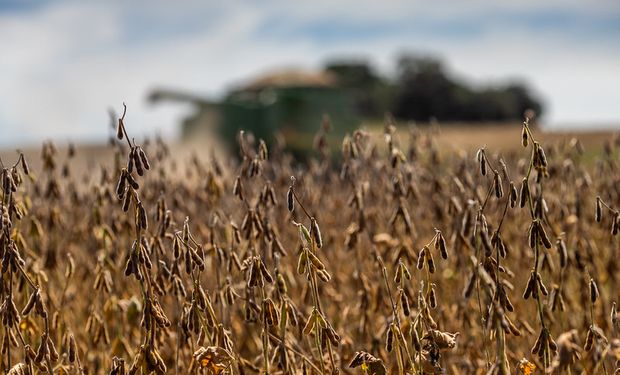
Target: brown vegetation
x,y
397,259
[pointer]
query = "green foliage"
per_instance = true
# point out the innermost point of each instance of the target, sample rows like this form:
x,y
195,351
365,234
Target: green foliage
x,y
425,90
422,89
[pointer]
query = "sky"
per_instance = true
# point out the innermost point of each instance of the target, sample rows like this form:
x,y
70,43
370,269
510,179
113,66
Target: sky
x,y
65,63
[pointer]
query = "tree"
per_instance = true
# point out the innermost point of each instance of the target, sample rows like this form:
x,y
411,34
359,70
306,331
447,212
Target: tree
x,y
425,90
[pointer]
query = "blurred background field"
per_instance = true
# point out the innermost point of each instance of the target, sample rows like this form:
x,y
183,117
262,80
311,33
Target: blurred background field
x,y
451,139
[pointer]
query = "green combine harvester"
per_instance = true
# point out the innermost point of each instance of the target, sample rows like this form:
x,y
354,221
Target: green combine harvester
x,y
290,103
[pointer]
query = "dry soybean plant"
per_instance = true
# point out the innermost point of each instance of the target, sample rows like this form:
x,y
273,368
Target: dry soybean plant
x,y
395,257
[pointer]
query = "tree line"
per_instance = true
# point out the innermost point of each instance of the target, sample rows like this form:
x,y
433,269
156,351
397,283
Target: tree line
x,y
422,89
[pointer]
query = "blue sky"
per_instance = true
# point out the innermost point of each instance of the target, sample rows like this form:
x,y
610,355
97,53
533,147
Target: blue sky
x,y
64,63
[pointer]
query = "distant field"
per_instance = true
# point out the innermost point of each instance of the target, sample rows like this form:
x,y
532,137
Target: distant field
x,y
468,137
503,137
450,137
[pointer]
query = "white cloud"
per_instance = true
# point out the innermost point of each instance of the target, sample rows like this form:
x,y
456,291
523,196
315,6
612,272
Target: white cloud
x,y
64,63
